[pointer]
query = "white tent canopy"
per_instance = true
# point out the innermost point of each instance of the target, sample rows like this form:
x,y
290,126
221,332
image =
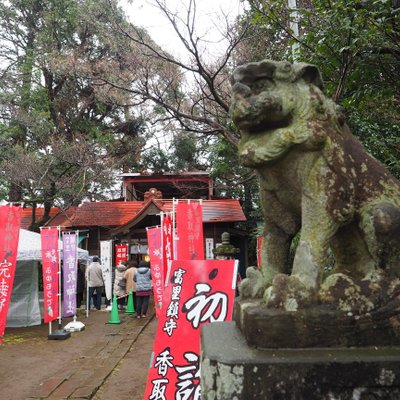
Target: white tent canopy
x,y
30,247
24,309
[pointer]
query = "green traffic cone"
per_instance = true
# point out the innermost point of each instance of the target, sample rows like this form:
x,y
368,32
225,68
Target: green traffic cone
x,y
130,307
114,317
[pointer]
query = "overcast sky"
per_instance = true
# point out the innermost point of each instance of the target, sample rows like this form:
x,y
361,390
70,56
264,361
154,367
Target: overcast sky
x,y
142,13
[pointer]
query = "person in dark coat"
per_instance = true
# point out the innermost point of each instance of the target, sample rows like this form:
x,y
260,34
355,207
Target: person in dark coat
x,y
80,284
142,278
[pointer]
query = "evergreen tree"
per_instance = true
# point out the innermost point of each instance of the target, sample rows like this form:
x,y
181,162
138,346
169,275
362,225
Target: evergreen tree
x,y
63,131
355,44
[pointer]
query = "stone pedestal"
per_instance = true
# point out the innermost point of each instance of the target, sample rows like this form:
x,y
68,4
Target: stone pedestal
x,y
318,326
231,369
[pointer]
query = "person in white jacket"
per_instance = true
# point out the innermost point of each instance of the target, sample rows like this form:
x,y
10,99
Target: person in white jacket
x,y
120,284
94,279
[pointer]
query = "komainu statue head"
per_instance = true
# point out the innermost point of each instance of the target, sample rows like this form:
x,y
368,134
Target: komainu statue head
x,y
316,180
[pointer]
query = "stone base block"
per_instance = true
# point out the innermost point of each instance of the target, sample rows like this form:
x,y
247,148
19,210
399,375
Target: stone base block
x,y
231,370
265,327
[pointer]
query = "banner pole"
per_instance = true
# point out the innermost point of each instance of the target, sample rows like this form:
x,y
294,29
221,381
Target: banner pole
x,y
162,244
77,266
59,281
174,234
154,226
87,290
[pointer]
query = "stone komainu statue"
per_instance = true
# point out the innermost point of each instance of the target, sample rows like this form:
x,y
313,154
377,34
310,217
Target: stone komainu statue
x,y
316,177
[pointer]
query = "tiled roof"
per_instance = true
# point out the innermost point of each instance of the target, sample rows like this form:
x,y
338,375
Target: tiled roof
x,y
121,213
62,218
227,210
213,211
26,217
98,214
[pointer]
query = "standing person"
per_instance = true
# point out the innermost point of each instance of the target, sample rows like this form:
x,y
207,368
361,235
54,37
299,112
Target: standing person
x,y
120,284
130,283
142,278
80,284
94,279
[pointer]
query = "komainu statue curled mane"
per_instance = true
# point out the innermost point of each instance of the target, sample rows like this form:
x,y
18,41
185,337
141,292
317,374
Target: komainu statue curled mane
x,y
315,177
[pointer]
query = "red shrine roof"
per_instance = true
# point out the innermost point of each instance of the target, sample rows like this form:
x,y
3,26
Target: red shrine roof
x,y
121,213
26,217
227,210
98,214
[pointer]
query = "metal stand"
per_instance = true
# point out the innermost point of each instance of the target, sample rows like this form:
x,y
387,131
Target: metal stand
x,y
59,334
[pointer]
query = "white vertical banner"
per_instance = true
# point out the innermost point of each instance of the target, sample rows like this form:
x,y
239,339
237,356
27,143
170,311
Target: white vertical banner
x,y
106,265
209,248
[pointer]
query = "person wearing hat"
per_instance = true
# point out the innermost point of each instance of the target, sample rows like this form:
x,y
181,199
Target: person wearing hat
x,y
142,278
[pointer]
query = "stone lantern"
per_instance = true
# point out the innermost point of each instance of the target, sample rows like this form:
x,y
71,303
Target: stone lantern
x,y
226,251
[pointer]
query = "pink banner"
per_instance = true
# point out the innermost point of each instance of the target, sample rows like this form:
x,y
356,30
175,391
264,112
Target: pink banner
x,y
167,243
70,272
49,238
157,268
198,292
189,226
10,221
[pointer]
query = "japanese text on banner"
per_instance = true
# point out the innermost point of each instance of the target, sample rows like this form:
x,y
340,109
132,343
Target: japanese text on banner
x,y
154,238
106,265
49,238
70,267
121,253
198,292
189,226
167,243
10,221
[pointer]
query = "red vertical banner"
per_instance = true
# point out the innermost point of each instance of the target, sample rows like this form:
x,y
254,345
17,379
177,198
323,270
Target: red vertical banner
x,y
198,292
259,250
10,221
154,240
189,226
50,267
167,242
121,253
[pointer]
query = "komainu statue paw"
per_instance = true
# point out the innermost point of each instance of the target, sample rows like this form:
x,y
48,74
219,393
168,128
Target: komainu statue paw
x,y
288,293
253,285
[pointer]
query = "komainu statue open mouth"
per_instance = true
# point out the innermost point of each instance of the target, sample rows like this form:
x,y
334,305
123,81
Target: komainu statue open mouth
x,y
315,177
